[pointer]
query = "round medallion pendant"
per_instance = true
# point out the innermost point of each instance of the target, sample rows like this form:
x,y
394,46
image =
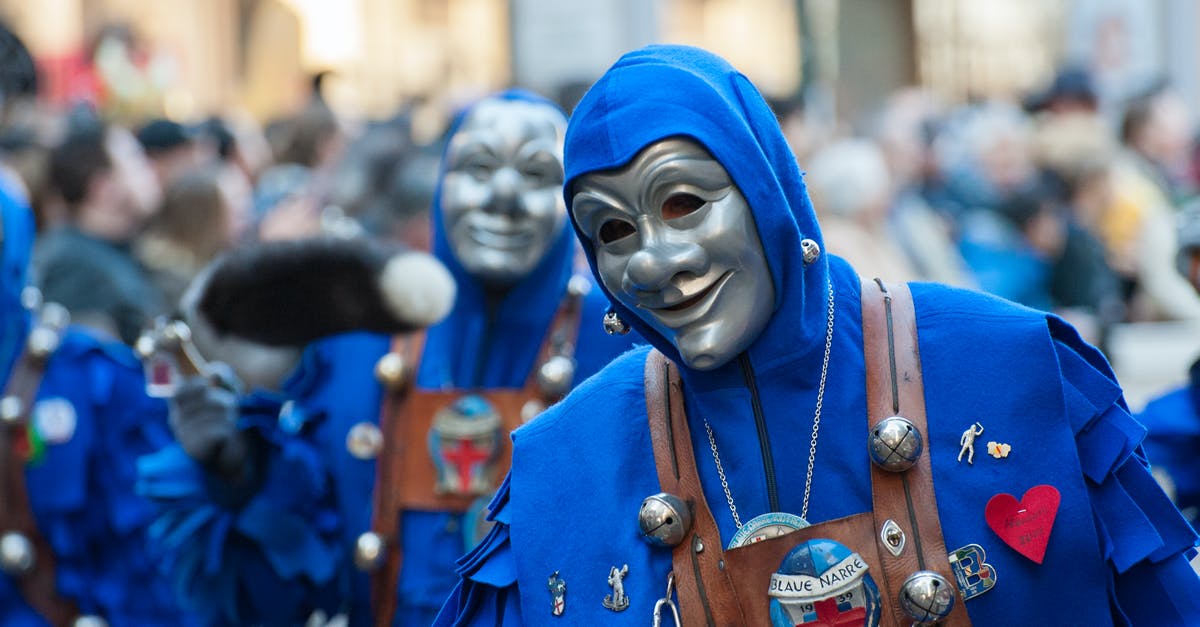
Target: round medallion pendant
x,y
766,526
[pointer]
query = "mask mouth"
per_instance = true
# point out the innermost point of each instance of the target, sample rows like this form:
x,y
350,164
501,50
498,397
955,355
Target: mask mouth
x,y
675,313
499,234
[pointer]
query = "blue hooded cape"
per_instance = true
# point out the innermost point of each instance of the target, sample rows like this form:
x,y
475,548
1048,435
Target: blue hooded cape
x,y
1173,441
81,487
489,340
1117,552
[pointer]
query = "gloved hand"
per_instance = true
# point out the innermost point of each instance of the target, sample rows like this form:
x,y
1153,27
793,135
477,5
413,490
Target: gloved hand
x,y
203,418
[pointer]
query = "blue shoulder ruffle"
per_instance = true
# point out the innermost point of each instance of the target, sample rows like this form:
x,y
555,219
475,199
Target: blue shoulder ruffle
x,y
487,591
280,541
84,491
1142,534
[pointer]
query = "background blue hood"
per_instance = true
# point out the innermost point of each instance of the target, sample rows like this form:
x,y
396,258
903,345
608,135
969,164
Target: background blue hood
x,y
17,241
526,307
664,91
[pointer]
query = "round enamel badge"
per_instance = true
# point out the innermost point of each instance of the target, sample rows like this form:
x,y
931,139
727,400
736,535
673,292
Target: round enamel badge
x,y
822,582
54,419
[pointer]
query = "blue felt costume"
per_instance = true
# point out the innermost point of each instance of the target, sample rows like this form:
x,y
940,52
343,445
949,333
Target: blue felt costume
x,y
93,418
489,340
1173,441
1117,552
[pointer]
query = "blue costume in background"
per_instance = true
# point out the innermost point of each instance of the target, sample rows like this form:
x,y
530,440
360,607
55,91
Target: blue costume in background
x,y
489,340
1117,552
1173,441
81,484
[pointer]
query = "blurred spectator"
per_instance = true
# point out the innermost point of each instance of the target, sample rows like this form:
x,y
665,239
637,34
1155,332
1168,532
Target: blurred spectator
x,y
172,148
1073,90
1012,247
851,190
983,156
903,131
290,195
203,214
1138,228
109,191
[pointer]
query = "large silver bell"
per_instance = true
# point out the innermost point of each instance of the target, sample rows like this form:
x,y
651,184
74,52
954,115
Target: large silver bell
x,y
370,550
664,519
614,325
555,376
17,555
895,444
927,597
392,371
90,620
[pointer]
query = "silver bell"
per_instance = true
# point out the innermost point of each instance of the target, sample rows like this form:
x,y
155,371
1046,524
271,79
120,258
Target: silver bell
x,y
579,286
664,519
54,316
614,325
364,441
91,620
927,597
531,409
810,249
895,444
392,371
370,550
31,298
11,410
17,555
555,376
43,340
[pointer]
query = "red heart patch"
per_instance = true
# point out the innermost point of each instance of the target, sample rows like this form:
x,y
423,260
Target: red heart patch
x,y
1025,525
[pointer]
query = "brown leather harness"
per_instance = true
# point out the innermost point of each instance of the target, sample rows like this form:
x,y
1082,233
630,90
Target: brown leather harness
x,y
37,585
729,587
406,473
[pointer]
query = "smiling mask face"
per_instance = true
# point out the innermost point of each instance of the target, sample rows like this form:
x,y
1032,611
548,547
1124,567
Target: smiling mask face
x,y
676,243
502,192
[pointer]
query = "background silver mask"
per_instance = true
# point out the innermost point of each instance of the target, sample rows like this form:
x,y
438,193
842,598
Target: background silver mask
x,y
502,189
676,243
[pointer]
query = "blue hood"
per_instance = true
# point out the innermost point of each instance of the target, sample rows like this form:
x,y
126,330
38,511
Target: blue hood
x,y
17,239
665,91
499,323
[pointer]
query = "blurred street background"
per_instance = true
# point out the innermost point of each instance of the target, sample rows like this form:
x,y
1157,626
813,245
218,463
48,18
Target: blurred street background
x,y
1041,150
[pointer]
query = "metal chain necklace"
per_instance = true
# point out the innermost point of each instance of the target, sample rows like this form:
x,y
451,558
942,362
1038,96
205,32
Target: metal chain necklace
x,y
812,448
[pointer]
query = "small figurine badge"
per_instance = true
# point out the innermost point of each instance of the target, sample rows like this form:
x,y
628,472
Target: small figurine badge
x,y
558,593
617,601
967,441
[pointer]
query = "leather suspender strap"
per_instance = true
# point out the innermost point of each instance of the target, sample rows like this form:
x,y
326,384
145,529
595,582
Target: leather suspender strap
x,y
895,388
385,517
37,586
717,587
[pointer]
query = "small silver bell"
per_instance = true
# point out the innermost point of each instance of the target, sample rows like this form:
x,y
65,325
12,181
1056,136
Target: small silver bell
x,y
54,316
614,325
664,519
392,371
370,550
364,441
895,444
17,555
42,341
531,409
91,620
810,249
145,346
926,597
11,410
578,286
555,376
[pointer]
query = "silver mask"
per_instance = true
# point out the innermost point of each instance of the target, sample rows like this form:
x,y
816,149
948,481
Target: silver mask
x,y
502,189
675,242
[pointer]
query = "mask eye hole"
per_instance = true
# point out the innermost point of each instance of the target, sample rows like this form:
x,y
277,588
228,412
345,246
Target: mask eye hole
x,y
615,230
680,205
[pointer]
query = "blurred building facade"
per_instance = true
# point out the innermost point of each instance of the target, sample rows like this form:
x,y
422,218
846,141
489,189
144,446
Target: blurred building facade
x,y
191,57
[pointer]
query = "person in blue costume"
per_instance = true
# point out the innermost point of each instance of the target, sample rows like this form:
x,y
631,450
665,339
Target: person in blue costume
x,y
499,226
72,442
694,216
1172,420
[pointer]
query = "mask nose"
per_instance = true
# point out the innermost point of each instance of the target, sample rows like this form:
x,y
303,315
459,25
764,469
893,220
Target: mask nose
x,y
652,268
506,192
